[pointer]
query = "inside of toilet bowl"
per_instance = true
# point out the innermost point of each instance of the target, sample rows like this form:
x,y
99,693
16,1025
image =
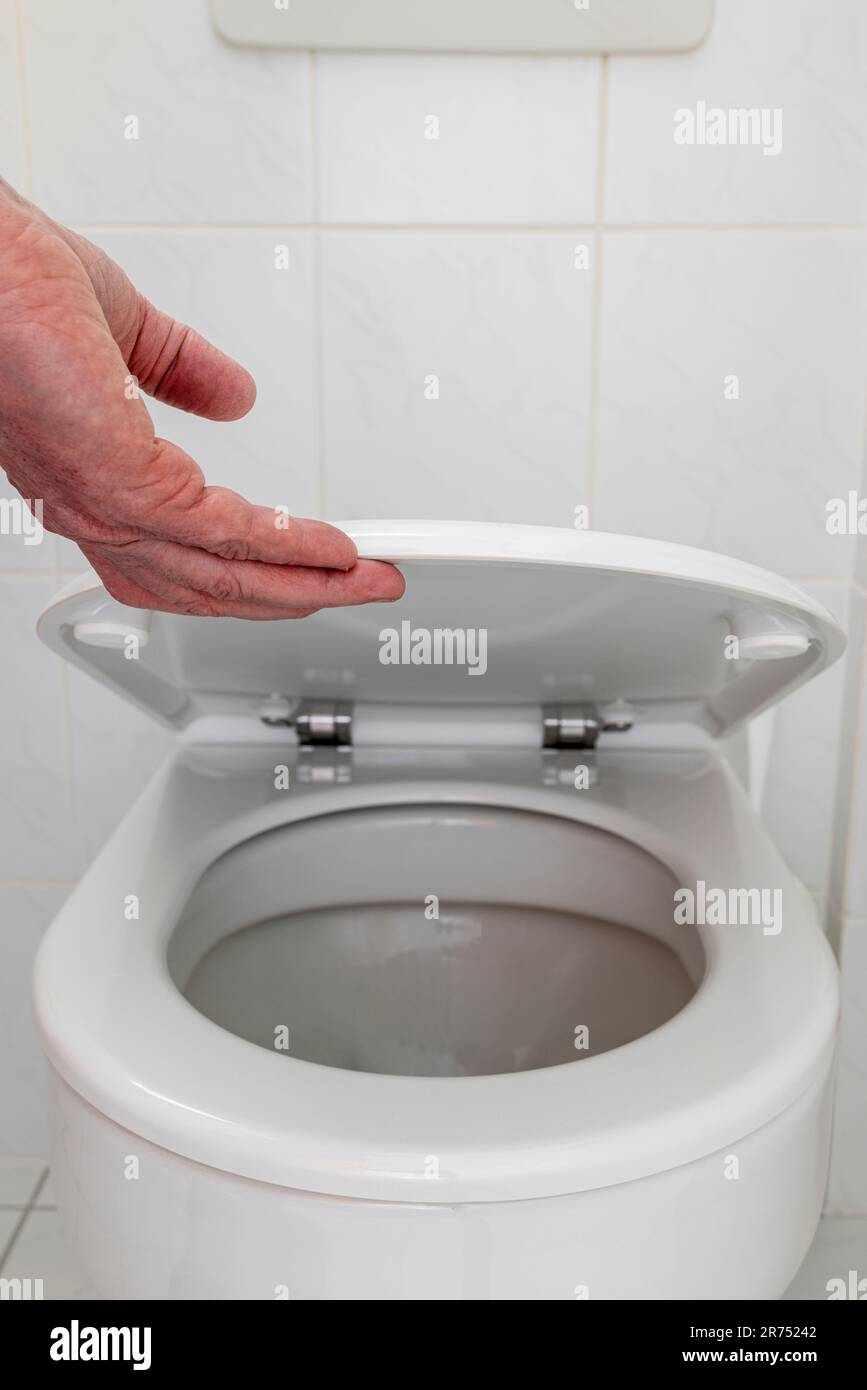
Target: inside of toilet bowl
x,y
436,940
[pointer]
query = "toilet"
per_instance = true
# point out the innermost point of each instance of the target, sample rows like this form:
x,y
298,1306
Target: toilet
x,y
446,957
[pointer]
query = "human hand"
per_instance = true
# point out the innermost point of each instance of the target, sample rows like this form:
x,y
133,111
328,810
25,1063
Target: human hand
x,y
77,340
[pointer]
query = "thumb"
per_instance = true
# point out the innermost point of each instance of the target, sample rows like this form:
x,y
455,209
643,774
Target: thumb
x,y
174,364
170,361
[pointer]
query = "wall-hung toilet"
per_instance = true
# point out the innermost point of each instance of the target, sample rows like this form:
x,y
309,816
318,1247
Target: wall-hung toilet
x,y
476,979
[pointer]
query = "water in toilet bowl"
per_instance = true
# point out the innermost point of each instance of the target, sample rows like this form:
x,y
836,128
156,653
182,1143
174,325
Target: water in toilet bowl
x,y
477,990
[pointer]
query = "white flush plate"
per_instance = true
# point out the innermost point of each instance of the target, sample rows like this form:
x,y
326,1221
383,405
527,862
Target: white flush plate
x,y
468,26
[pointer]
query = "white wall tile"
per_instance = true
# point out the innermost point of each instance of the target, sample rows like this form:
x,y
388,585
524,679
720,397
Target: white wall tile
x,y
801,788
70,560
35,819
855,883
516,138
19,1177
25,912
785,313
861,545
115,750
8,1222
849,762
42,1252
223,132
808,60
503,320
12,163
840,1245
848,1186
226,285
22,545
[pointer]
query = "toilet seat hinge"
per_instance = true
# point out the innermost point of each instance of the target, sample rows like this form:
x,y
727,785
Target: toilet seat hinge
x,y
579,726
318,723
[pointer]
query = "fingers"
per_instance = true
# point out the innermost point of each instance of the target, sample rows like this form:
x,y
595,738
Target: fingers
x,y
226,524
182,547
174,364
180,576
167,497
170,361
128,591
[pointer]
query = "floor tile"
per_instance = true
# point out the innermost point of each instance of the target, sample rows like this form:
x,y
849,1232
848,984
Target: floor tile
x,y
840,1248
8,1220
19,1178
47,1198
41,1252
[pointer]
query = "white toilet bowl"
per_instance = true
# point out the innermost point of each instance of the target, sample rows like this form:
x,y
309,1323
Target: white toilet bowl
x,y
417,1018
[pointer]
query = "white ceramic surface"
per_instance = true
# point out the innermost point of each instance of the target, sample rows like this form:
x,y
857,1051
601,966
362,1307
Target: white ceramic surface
x,y
11,103
807,60
839,1246
413,138
460,362
856,858
547,615
36,840
799,805
486,1120
223,135
687,320
689,1233
335,1131
550,26
26,910
805,56
847,1190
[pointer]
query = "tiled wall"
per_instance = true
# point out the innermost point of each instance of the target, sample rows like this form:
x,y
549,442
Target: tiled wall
x,y
579,284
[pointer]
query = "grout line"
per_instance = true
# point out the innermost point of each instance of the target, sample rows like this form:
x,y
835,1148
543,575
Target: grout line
x,y
91,229
862,489
592,435
863,476
859,920
72,799
94,228
38,882
857,763
313,132
28,574
316,291
736,226
19,1224
16,1231
24,94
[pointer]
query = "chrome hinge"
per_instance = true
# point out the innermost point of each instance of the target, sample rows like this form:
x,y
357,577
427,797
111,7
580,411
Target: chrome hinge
x,y
579,726
318,723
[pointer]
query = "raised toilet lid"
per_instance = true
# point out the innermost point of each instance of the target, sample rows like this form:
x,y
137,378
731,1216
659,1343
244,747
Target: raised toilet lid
x,y
531,615
569,617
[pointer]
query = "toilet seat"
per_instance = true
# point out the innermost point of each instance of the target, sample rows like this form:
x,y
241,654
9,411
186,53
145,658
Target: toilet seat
x,y
122,1035
755,1037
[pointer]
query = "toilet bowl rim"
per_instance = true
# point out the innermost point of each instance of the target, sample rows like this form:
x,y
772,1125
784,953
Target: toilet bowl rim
x,y
384,1173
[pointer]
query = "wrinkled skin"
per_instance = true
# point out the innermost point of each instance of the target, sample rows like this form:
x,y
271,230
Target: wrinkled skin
x,y
74,432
